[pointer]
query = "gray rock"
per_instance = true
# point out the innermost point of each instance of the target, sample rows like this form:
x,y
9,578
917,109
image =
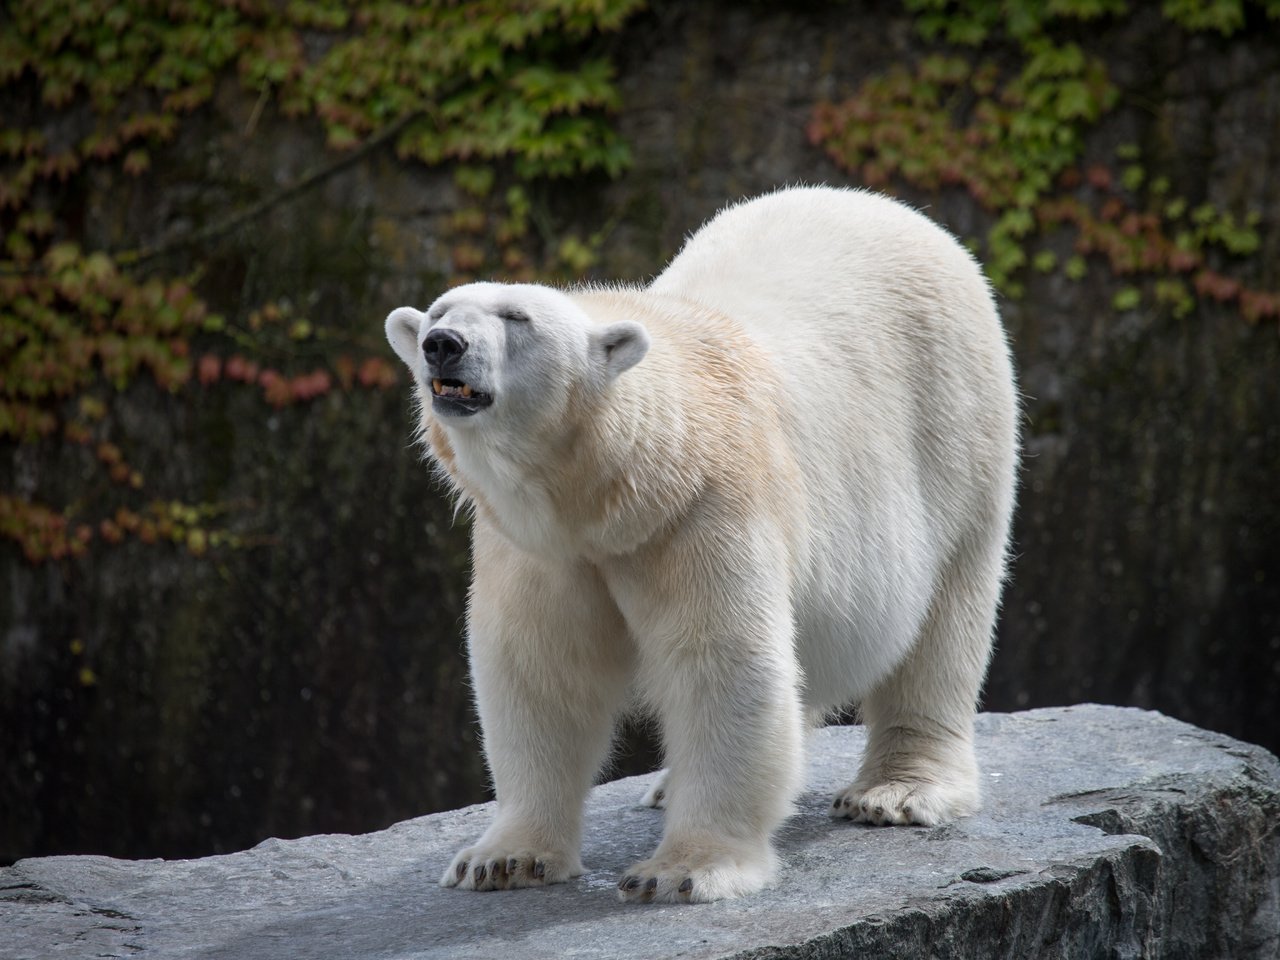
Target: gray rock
x,y
1106,832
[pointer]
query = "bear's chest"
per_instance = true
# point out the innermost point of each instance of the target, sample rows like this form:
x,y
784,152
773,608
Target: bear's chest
x,y
523,512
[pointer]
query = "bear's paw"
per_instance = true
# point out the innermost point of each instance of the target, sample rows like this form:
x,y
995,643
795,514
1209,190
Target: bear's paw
x,y
699,873
657,795
905,803
494,867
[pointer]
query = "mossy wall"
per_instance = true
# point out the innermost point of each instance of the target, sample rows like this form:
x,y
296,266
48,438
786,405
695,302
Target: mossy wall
x,y
261,635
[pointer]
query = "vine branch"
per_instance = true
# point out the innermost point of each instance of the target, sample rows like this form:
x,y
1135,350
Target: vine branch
x,y
310,179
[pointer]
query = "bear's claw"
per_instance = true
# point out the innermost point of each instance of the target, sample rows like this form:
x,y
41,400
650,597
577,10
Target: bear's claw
x,y
697,873
476,869
657,794
905,803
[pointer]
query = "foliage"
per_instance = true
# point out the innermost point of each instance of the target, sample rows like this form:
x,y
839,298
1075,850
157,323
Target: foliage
x,y
1007,122
485,74
101,86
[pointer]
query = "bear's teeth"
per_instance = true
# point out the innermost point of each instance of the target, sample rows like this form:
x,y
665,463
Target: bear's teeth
x,y
442,389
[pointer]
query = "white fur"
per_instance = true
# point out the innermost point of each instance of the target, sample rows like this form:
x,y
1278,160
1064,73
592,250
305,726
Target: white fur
x,y
776,481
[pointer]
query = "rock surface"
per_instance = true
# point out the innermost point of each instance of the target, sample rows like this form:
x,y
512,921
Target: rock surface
x,y
1107,832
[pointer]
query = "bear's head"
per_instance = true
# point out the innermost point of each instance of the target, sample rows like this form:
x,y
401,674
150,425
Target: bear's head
x,y
510,356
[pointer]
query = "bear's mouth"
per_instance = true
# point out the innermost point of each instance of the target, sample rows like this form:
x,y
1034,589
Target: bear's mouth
x,y
457,398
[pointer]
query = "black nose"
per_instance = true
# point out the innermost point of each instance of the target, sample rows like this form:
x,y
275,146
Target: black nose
x,y
443,347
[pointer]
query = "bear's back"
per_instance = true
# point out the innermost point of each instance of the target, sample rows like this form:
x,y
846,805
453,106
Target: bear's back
x,y
895,373
870,312
814,254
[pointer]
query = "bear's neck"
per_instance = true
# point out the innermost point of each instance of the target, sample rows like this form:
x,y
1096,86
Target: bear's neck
x,y
616,479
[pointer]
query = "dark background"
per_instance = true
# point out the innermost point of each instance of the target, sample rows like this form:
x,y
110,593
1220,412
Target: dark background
x,y
159,703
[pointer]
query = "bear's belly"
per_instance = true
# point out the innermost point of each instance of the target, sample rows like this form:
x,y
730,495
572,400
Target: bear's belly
x,y
845,649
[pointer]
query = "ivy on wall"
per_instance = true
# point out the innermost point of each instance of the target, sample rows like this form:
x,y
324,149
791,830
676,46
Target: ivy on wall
x,y
100,85
506,94
1012,133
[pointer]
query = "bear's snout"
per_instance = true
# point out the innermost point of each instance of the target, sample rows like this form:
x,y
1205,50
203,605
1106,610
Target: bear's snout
x,y
443,349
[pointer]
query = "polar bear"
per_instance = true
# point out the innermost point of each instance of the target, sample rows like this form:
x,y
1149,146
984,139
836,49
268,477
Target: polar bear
x,y
776,480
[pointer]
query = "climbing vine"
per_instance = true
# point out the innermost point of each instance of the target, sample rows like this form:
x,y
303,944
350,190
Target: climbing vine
x,y
507,93
1011,132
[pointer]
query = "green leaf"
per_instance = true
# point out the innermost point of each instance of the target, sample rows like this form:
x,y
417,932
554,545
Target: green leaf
x,y
1128,298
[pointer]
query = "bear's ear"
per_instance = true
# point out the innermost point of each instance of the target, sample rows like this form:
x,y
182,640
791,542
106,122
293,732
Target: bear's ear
x,y
621,346
402,330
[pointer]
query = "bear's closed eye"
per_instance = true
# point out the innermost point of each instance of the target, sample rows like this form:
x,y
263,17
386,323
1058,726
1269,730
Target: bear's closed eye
x,y
513,314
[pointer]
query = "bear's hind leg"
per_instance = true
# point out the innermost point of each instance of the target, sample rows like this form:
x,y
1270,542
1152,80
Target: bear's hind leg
x,y
919,765
656,797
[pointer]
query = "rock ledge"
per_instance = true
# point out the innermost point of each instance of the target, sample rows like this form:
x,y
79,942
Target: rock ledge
x,y
1107,832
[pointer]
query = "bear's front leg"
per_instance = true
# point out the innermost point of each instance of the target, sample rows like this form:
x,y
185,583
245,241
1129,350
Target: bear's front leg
x,y
551,663
715,638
